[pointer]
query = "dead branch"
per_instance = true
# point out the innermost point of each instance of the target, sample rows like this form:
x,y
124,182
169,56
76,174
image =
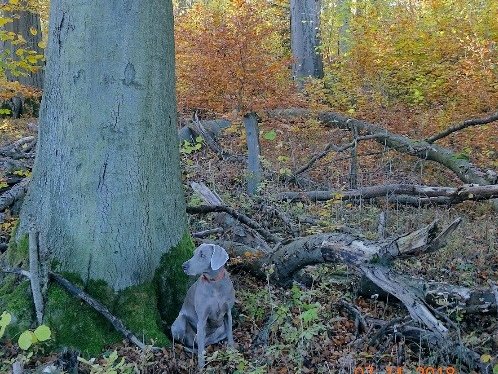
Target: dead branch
x,y
15,193
359,320
82,295
358,252
467,123
389,281
330,148
34,271
202,209
454,350
205,233
198,128
22,145
230,219
466,171
421,195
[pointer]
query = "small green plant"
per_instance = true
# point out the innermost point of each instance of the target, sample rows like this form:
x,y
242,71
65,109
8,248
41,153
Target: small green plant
x,y
270,135
28,338
188,147
111,364
5,320
234,362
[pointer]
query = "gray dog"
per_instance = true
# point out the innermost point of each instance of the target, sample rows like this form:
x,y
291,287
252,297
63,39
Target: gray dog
x,y
206,314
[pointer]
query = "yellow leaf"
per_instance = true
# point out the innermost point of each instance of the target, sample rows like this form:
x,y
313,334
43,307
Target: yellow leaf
x,y
5,20
14,2
33,31
485,358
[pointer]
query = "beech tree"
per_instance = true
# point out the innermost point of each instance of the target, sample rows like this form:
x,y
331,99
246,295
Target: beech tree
x,y
305,24
106,196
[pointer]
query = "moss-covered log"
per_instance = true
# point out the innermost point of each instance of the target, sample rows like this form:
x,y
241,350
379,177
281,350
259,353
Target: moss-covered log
x,y
464,169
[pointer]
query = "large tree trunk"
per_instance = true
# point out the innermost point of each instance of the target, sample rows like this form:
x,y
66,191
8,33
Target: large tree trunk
x,y
106,194
305,24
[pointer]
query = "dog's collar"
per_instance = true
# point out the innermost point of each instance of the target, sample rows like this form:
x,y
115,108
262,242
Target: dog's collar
x,y
218,277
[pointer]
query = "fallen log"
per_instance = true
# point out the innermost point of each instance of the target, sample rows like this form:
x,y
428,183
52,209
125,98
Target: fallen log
x,y
338,247
470,301
230,220
15,193
331,147
465,170
454,350
369,257
422,195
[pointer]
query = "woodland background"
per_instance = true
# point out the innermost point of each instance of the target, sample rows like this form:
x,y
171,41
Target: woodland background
x,y
413,67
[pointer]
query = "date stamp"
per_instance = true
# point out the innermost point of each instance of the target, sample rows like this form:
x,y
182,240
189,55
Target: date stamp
x,y
370,369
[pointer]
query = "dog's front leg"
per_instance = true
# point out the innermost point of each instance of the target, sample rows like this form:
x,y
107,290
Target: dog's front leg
x,y
201,340
228,327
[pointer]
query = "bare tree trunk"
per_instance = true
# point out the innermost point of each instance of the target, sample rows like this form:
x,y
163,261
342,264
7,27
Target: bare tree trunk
x,y
254,174
305,40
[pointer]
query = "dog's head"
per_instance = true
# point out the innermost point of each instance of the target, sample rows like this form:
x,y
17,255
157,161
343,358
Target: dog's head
x,y
206,258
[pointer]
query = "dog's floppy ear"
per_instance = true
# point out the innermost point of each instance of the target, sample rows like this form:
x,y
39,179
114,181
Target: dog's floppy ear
x,y
219,257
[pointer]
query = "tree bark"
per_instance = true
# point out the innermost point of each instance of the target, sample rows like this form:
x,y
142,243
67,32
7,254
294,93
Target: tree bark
x,y
106,194
254,173
305,25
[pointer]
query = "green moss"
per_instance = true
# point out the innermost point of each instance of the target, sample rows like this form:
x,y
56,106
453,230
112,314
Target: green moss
x,y
15,298
137,308
102,292
75,324
172,282
17,253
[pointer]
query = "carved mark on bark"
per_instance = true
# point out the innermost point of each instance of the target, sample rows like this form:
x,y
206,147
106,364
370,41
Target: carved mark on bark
x,y
129,76
63,28
102,175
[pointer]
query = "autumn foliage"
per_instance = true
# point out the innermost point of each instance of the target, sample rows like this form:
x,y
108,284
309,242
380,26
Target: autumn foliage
x,y
230,56
427,52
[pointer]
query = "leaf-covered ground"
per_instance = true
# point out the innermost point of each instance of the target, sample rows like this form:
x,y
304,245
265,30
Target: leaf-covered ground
x,y
307,330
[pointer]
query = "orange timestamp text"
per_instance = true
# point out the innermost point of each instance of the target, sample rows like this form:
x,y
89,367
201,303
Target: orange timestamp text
x,y
370,369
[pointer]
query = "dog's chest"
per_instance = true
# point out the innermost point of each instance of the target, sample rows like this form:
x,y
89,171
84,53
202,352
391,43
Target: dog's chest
x,y
217,304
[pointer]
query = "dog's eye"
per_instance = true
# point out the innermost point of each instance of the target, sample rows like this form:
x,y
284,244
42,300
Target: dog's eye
x,y
201,254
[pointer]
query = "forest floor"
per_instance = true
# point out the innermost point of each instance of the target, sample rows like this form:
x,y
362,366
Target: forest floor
x,y
311,332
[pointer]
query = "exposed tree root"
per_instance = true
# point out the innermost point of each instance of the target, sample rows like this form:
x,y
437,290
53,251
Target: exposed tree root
x,y
96,305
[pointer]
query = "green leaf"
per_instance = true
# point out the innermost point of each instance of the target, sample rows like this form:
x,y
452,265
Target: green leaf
x,y
495,369
42,333
270,135
309,315
5,111
26,340
5,319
